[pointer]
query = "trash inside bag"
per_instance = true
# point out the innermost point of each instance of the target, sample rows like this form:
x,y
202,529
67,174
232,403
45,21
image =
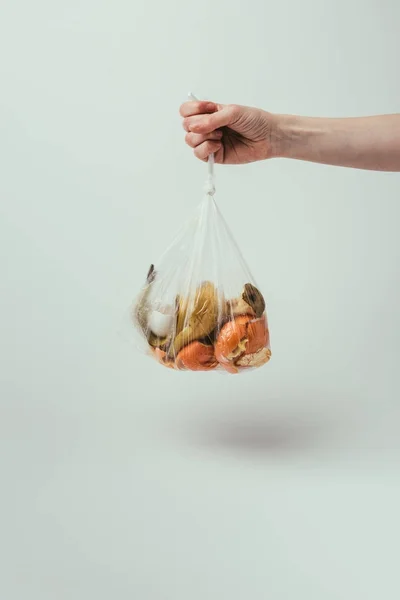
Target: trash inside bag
x,y
200,309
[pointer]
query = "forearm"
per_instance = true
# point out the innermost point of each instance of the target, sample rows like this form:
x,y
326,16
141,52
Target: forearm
x,y
363,142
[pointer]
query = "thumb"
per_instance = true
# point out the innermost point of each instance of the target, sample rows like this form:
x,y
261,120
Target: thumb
x,y
223,117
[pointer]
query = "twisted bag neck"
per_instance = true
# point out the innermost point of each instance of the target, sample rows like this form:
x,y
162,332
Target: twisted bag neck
x,y
209,187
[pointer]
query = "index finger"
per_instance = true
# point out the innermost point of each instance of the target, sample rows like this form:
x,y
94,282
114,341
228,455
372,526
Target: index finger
x,y
197,107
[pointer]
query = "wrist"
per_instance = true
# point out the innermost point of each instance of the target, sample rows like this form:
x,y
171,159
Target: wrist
x,y
288,133
302,138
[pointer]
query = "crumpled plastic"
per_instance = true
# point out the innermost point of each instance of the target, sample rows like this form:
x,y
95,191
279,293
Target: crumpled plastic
x,y
200,308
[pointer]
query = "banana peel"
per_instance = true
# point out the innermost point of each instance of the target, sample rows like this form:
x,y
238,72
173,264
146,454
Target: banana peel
x,y
202,319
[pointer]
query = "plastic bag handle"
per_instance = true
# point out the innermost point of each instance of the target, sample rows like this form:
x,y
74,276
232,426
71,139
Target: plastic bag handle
x,y
210,184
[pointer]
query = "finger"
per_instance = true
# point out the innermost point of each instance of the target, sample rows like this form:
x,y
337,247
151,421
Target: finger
x,y
206,148
197,107
204,124
195,139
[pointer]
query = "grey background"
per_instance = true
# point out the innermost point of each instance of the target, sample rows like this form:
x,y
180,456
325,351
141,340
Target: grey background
x,y
119,479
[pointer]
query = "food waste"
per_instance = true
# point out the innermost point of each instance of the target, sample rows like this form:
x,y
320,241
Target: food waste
x,y
203,331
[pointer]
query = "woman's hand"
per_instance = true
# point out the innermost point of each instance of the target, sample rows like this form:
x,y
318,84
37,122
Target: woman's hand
x,y
234,134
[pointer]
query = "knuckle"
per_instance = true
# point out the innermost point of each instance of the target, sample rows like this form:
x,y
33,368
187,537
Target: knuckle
x,y
201,150
206,124
207,147
189,139
234,110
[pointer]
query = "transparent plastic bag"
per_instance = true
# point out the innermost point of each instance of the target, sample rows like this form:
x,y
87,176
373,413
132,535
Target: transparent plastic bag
x,y
200,309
